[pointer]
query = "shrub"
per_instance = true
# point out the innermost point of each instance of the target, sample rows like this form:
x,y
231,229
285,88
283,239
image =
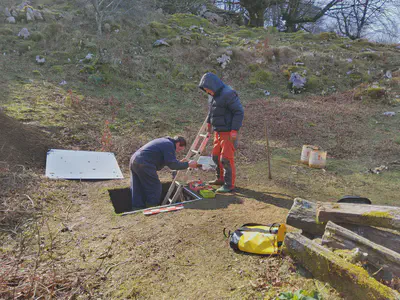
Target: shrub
x,y
370,55
260,77
313,83
6,31
189,87
244,33
326,36
37,36
53,30
162,30
254,67
57,69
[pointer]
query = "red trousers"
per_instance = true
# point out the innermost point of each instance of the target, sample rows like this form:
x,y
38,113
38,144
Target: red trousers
x,y
223,156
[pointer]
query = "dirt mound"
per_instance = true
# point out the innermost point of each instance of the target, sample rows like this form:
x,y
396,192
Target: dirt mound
x,y
22,144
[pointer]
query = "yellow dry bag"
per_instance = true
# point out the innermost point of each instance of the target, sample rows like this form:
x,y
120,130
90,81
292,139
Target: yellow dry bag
x,y
258,238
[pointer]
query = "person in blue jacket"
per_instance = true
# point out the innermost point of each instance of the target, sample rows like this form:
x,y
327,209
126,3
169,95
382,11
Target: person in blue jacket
x,y
144,164
225,118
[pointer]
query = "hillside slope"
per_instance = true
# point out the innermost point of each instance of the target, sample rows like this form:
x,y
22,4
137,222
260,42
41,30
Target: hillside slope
x,y
117,91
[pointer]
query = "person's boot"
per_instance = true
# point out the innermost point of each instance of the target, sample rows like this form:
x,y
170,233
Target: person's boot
x,y
216,182
225,189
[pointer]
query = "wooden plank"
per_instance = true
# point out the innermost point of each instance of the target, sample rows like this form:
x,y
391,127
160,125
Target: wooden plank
x,y
381,257
362,214
303,215
385,238
350,279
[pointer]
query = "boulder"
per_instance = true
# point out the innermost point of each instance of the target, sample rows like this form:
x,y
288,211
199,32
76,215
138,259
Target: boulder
x,y
24,33
160,42
213,18
38,16
11,20
7,13
40,60
297,82
29,15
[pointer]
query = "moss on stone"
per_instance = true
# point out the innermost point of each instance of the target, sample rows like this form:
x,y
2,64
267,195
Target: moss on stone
x,y
162,30
376,92
326,36
187,20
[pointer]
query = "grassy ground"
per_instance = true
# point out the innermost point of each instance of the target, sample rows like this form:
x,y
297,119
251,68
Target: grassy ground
x,y
63,239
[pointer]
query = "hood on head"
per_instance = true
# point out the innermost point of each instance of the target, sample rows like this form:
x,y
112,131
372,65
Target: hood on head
x,y
211,82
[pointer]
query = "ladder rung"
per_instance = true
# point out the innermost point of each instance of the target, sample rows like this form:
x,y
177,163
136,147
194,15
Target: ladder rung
x,y
195,151
203,135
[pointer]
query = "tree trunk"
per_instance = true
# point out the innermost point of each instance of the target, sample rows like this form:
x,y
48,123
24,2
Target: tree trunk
x,y
256,9
352,280
362,214
339,237
256,18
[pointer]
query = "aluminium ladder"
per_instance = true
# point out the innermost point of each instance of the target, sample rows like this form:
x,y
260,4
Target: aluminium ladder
x,y
198,146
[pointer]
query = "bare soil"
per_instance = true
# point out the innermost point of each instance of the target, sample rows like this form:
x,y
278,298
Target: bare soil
x,y
22,144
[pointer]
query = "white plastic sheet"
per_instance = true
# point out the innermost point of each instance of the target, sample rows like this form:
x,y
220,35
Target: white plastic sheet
x,y
71,164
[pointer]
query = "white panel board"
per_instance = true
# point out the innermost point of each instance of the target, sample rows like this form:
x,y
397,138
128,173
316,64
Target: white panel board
x,y
71,164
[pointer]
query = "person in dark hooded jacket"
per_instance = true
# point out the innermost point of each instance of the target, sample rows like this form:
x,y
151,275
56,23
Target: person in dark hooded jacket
x,y
225,118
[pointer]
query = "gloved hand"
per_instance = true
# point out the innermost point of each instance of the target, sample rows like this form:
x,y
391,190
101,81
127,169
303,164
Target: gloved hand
x,y
192,164
233,135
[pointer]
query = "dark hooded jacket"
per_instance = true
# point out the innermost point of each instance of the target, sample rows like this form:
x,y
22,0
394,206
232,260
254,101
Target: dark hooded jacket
x,y
159,153
225,110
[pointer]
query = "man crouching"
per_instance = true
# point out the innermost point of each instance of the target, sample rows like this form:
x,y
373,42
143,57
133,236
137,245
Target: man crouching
x,y
144,164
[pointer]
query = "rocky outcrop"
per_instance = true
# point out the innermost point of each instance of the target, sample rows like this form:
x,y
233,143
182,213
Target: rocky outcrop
x,y
23,12
219,16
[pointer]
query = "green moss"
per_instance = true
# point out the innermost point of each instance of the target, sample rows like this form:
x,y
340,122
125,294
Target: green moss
x,y
53,30
370,55
162,30
313,83
326,36
187,20
378,214
58,69
189,87
36,72
25,46
260,77
92,47
37,36
254,67
6,31
245,33
376,92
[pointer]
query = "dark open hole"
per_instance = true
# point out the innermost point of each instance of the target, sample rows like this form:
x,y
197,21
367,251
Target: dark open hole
x,y
121,198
